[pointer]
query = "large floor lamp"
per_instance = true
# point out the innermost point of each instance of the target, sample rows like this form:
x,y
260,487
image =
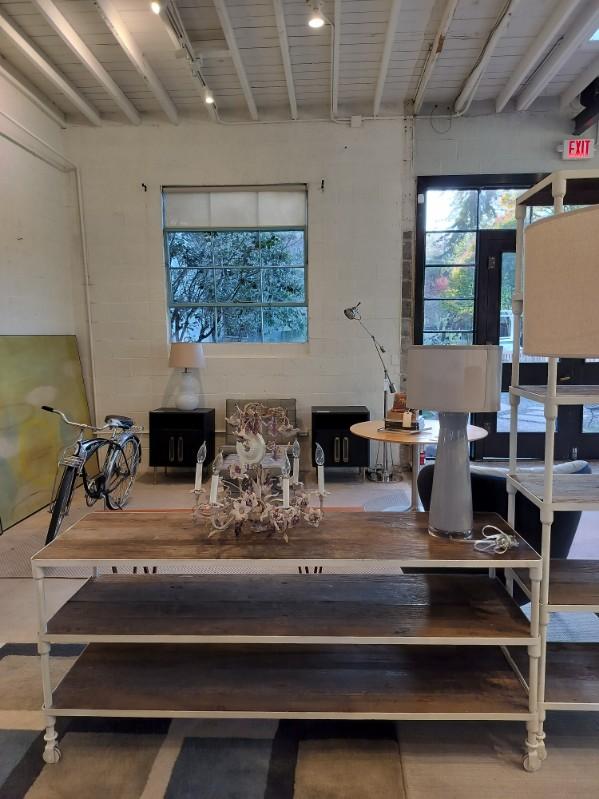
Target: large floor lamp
x,y
388,385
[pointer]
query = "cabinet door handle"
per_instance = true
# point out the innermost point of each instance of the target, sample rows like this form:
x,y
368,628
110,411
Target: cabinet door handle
x,y
337,449
345,449
180,449
171,449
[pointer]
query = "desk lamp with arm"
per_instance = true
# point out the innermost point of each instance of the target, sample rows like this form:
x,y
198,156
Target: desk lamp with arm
x,y
388,386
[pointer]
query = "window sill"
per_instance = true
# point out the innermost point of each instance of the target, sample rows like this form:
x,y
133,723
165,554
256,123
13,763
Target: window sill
x,y
260,351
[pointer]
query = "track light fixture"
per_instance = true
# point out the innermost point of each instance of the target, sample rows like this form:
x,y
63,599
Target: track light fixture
x,y
317,18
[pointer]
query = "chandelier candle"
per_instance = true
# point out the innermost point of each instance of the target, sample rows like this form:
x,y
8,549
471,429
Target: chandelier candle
x,y
295,451
200,466
319,458
216,467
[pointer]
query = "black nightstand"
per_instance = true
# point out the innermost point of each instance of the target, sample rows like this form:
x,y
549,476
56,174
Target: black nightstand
x,y
176,436
330,429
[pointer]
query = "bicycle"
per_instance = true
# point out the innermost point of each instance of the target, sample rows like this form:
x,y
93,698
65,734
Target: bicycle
x,y
115,478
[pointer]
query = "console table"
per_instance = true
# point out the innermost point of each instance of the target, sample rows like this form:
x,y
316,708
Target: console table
x,y
287,641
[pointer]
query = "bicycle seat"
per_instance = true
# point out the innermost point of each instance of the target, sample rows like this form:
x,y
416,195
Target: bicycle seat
x,y
114,420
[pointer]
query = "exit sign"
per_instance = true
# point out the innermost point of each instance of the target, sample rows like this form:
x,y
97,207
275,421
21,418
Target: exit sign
x,y
577,149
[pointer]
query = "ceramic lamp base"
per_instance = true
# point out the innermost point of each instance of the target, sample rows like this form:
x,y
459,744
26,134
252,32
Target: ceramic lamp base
x,y
450,514
187,398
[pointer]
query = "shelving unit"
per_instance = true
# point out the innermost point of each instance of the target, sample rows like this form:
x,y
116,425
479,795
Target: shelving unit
x,y
568,673
283,643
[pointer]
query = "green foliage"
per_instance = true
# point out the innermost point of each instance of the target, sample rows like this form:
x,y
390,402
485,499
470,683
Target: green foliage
x,y
227,282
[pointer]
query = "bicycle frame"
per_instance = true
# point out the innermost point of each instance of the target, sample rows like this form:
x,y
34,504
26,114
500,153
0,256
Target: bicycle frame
x,y
83,449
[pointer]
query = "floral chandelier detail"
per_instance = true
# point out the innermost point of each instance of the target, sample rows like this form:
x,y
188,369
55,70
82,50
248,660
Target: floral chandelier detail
x,y
255,486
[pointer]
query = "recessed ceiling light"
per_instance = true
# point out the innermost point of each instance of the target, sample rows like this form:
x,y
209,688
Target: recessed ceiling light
x,y
156,7
208,96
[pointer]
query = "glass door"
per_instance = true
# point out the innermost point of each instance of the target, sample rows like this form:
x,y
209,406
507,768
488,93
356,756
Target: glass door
x,y
494,325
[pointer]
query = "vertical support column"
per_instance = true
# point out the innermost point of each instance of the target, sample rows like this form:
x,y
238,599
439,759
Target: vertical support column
x,y
535,747
51,751
558,190
517,306
546,522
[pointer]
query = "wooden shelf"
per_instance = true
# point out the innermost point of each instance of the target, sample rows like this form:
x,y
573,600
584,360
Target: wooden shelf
x,y
572,676
254,681
573,585
434,608
166,539
566,394
570,491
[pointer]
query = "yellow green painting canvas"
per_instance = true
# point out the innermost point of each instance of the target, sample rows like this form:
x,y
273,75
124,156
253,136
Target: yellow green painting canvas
x,y
35,371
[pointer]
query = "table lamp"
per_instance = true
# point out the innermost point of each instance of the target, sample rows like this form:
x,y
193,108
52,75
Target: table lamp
x,y
455,381
187,356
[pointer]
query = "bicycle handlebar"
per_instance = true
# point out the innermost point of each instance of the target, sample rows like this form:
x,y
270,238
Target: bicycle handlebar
x,y
66,420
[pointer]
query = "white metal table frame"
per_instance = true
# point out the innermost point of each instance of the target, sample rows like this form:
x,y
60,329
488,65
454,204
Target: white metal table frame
x,y
550,398
281,566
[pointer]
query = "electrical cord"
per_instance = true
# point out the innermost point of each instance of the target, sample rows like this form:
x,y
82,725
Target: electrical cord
x,y
498,542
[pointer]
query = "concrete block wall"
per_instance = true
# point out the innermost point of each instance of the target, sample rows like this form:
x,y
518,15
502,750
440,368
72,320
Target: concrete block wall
x,y
355,253
36,294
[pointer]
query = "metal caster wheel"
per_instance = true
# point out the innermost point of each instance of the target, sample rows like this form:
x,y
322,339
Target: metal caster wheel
x,y
531,762
52,755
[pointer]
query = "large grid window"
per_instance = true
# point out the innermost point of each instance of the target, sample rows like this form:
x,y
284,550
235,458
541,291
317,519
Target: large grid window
x,y
453,219
236,264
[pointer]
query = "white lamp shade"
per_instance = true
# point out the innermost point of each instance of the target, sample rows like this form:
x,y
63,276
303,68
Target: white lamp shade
x,y
187,356
561,278
454,379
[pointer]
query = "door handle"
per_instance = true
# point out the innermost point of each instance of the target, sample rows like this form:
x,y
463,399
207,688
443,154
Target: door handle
x,y
337,449
171,449
565,379
180,449
345,449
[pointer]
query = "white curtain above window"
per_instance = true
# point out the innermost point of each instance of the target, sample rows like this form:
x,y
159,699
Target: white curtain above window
x,y
235,207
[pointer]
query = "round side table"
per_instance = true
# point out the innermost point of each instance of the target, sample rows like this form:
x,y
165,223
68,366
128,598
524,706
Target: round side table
x,y
374,430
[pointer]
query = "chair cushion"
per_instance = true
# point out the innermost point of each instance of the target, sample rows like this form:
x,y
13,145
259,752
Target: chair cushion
x,y
570,467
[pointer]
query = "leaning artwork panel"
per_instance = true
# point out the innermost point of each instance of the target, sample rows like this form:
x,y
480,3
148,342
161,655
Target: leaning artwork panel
x,y
35,371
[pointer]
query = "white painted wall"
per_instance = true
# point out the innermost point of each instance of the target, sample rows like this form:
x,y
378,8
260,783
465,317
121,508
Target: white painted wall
x,y
36,294
354,254
504,143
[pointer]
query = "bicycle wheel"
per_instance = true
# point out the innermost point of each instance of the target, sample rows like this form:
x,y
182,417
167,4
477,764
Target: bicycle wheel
x,y
120,473
61,503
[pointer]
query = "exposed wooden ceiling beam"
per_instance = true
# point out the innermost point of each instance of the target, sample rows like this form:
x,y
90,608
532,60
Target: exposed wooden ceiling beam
x,y
581,30
285,57
225,23
121,33
580,83
386,57
76,44
434,53
471,84
544,39
30,50
10,74
336,62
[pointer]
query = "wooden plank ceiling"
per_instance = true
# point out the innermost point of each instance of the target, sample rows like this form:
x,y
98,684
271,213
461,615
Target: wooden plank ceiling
x,y
238,50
